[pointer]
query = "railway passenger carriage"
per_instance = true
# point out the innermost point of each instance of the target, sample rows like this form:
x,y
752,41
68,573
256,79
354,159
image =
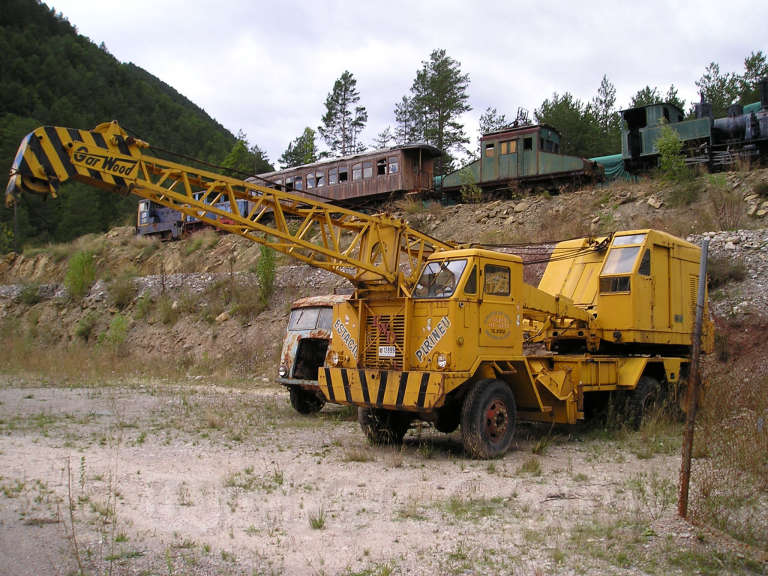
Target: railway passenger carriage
x,y
408,168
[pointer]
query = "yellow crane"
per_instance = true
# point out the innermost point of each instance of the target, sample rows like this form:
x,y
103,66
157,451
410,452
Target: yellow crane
x,y
434,331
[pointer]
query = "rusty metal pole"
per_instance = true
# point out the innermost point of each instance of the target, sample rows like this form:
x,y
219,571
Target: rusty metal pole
x,y
693,387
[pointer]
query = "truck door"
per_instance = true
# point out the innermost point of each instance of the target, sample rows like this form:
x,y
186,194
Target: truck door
x,y
498,315
661,287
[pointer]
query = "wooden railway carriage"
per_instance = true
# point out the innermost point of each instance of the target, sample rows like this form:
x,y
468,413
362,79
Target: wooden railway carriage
x,y
407,168
521,156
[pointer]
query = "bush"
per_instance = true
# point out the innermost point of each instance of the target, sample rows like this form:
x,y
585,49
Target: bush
x,y
122,291
116,333
30,294
143,305
471,193
81,274
85,326
265,272
671,158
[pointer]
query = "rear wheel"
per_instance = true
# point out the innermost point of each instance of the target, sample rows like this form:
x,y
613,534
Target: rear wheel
x,y
643,400
488,419
383,426
305,401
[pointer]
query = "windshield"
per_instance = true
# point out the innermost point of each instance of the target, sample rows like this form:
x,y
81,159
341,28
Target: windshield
x,y
439,279
311,319
621,260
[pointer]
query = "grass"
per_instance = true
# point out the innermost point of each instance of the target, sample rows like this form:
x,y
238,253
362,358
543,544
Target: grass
x,y
81,273
317,519
531,466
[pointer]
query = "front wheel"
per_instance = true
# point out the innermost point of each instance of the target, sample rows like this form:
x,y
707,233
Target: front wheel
x,y
488,419
383,426
305,401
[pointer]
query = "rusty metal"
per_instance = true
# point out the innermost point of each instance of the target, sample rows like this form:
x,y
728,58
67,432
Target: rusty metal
x,y
693,388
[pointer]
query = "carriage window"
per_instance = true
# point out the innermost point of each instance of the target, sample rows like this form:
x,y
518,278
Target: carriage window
x,y
333,176
496,280
490,150
394,165
528,144
310,181
508,147
298,183
289,184
381,167
320,178
357,171
368,169
343,174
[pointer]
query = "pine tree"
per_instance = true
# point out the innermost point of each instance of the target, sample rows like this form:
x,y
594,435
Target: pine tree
x,y
720,90
244,160
343,121
438,98
384,139
603,108
302,150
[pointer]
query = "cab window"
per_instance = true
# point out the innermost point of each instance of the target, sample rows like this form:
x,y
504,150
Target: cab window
x,y
496,280
439,279
303,319
471,286
620,260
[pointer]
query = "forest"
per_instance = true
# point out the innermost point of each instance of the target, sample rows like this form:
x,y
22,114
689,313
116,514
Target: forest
x,y
51,75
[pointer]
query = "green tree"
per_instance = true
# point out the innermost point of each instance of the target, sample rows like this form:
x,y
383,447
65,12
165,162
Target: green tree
x,y
405,127
719,89
755,69
578,127
302,150
343,120
492,121
671,157
603,109
245,160
645,97
438,98
384,139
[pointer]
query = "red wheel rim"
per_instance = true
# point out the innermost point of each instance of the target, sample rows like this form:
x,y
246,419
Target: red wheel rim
x,y
496,420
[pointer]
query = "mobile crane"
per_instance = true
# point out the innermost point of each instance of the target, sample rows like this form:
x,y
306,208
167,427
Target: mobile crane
x,y
434,331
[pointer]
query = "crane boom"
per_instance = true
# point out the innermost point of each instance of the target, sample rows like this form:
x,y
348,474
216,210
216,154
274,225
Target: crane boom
x,y
374,252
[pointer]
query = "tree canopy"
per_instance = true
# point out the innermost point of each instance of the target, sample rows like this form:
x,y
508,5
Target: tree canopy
x,y
343,120
302,150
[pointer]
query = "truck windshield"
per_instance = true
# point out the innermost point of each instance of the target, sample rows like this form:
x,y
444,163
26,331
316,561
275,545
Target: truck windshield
x,y
439,279
310,319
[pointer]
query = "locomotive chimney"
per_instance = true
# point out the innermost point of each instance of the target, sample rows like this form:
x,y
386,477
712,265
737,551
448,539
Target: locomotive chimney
x,y
762,87
703,109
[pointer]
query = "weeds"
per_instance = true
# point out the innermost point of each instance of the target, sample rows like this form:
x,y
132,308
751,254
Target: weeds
x,y
317,519
530,466
30,294
81,273
721,270
122,291
84,327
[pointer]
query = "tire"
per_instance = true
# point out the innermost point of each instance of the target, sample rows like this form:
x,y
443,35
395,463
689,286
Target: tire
x,y
305,401
488,418
383,426
645,398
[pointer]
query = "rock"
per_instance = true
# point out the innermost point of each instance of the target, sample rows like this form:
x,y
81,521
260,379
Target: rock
x,y
730,246
596,219
521,207
655,202
762,212
751,209
223,317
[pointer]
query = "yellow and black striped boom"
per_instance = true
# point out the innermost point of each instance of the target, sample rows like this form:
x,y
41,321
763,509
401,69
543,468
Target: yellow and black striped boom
x,y
375,252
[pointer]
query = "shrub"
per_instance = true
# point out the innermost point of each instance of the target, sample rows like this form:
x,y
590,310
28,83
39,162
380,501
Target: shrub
x,y
85,325
81,274
116,333
265,272
671,158
122,291
30,294
470,191
143,305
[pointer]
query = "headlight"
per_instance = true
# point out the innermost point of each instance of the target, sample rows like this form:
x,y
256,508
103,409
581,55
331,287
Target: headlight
x,y
334,358
283,371
442,361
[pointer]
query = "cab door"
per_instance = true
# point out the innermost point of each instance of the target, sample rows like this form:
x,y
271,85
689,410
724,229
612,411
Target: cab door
x,y
498,314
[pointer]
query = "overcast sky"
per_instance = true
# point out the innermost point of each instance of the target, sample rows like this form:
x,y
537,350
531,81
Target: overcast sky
x,y
267,67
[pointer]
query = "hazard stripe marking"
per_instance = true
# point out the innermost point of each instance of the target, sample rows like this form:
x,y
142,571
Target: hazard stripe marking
x,y
58,147
329,384
364,386
423,389
345,382
98,139
42,158
382,388
401,389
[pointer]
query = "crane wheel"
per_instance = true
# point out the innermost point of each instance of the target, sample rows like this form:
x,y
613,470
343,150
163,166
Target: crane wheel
x,y
305,401
488,418
643,400
383,426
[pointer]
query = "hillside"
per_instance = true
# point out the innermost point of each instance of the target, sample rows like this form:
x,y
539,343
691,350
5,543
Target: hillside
x,y
50,74
196,300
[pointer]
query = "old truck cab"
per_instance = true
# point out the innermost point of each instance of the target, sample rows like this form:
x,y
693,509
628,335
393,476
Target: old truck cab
x,y
304,349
